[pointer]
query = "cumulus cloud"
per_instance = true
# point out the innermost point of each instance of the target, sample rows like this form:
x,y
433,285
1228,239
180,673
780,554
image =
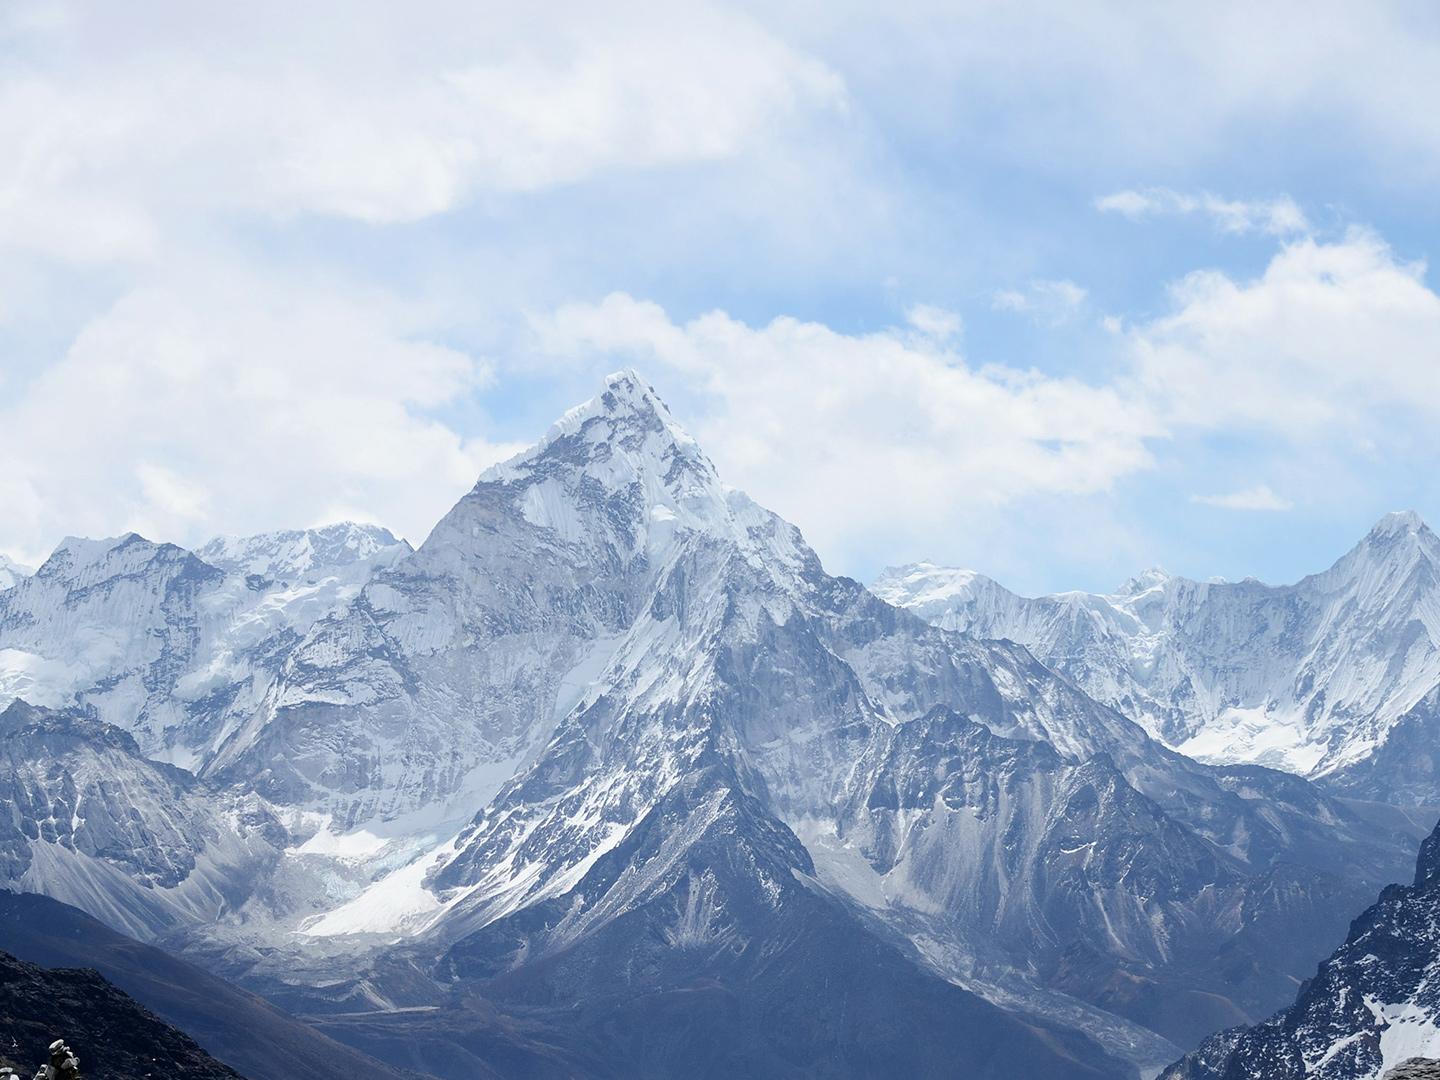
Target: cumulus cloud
x,y
1259,497
237,402
1330,353
848,434
1277,217
1333,341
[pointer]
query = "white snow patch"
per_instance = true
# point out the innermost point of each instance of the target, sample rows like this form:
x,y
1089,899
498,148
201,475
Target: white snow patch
x,y
1410,1032
1255,735
398,901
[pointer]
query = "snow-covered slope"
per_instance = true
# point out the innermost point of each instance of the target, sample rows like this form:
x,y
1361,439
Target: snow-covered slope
x,y
1372,1005
170,646
141,845
299,554
1310,677
12,572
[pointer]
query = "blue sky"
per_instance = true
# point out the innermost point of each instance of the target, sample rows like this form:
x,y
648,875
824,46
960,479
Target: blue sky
x,y
1052,291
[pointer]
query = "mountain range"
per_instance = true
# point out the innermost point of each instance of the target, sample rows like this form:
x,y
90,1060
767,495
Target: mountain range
x,y
1334,678
609,777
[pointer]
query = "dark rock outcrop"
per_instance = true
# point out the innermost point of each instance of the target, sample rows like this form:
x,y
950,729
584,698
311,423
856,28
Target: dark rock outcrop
x,y
1374,1000
1415,1069
115,1036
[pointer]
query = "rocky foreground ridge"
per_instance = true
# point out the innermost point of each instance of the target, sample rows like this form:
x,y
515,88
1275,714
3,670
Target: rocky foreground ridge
x,y
114,1036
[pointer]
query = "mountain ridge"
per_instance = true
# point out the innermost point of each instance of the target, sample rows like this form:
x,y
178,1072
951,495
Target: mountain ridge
x,y
1311,677
1370,1006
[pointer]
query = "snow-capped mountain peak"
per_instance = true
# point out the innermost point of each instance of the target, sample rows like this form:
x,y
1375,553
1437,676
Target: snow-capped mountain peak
x,y
1308,677
925,582
81,562
623,457
627,406
1397,537
1399,522
293,554
941,594
1143,582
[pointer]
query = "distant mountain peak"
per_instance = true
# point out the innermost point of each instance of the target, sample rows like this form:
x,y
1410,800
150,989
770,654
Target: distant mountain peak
x,y
292,553
1399,523
626,391
925,582
622,442
1144,581
82,560
1398,542
627,406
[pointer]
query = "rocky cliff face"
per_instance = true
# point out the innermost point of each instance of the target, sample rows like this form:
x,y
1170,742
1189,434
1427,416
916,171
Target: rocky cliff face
x,y
113,1036
144,845
1374,1004
169,647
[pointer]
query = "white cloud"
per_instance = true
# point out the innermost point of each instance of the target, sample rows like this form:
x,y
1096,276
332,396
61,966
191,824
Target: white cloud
x,y
938,323
856,436
125,125
1259,497
1335,342
1164,89
1046,301
1277,217
1326,358
232,403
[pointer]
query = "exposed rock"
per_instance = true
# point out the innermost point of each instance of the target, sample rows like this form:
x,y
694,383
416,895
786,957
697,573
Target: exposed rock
x,y
122,1039
1375,1000
1415,1069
